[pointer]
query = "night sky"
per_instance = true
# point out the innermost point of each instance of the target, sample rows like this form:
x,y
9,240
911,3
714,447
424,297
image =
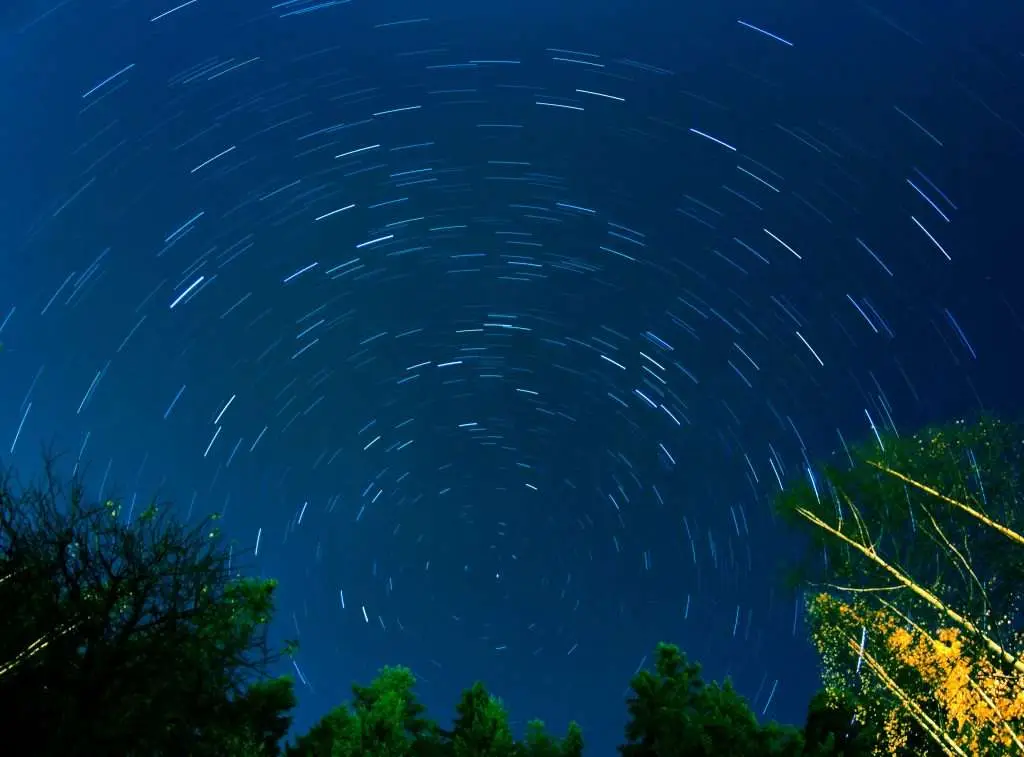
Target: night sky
x,y
491,330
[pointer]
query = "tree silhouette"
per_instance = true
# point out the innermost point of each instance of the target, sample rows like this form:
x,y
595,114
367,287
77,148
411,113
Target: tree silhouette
x,y
384,719
124,633
674,713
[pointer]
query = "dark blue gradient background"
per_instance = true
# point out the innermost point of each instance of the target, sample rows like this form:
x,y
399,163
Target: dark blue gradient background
x,y
605,499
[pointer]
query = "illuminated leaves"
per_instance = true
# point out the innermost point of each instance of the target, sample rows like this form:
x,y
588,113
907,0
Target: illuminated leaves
x,y
922,560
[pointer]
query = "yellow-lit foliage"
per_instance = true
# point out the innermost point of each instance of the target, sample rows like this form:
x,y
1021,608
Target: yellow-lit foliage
x,y
913,680
836,629
924,545
973,696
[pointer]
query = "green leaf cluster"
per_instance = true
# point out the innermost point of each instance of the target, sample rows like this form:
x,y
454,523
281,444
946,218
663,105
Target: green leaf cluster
x,y
671,712
384,719
674,713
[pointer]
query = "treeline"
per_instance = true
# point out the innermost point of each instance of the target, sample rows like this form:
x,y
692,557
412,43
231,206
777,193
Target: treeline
x,y
127,633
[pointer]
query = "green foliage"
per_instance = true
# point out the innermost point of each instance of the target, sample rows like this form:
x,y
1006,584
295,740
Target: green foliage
x,y
674,713
263,714
572,745
336,734
539,743
129,637
384,719
831,728
981,463
481,725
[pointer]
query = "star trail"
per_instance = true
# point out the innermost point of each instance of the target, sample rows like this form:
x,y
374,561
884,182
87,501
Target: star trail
x,y
492,335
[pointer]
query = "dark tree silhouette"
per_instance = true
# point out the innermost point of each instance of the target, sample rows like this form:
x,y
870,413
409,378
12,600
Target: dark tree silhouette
x,y
674,713
125,633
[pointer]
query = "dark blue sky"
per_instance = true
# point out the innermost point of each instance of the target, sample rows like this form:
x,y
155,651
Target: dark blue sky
x,y
492,329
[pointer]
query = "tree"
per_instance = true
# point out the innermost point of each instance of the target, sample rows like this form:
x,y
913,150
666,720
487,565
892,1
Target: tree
x,y
539,743
674,713
254,723
125,633
384,719
832,729
916,608
481,726
572,744
336,734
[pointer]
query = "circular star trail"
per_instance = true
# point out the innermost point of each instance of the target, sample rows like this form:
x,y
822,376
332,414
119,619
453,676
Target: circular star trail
x,y
492,333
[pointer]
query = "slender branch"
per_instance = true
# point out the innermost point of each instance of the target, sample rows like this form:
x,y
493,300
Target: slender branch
x,y
862,589
1007,532
966,565
941,647
936,732
916,588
